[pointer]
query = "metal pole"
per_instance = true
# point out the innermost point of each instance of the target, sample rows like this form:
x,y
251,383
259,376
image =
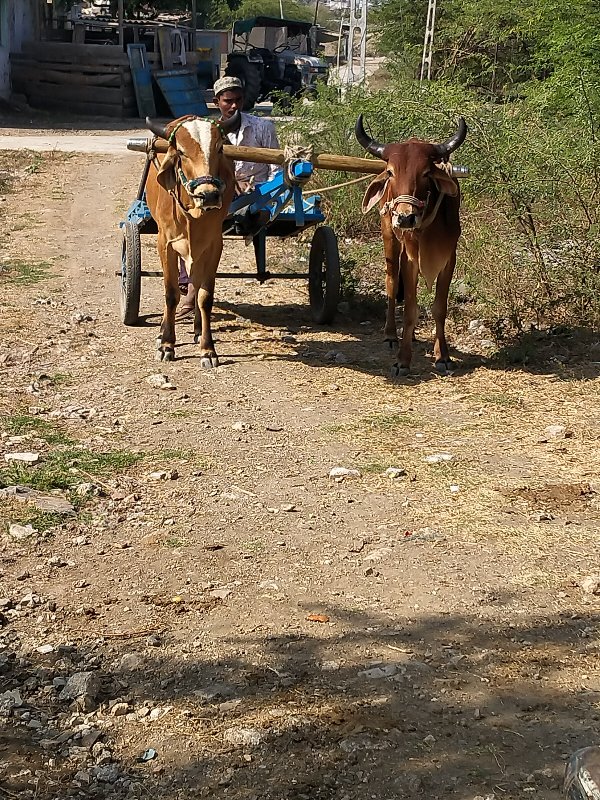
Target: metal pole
x,y
281,9
194,24
121,19
428,42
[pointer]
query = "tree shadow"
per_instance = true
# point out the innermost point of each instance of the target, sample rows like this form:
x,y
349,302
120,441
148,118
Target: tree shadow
x,y
370,704
567,352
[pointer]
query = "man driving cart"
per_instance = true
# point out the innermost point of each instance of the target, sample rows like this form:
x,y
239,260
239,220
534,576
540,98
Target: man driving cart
x,y
252,131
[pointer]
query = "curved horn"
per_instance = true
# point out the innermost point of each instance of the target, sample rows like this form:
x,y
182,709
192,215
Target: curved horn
x,y
156,128
370,145
454,142
232,123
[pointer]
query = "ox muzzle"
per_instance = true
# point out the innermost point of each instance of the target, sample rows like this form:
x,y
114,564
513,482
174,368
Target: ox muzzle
x,y
206,192
406,212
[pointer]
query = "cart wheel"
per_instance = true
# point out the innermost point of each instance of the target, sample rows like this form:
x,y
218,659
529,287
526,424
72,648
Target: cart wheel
x,y
131,274
324,275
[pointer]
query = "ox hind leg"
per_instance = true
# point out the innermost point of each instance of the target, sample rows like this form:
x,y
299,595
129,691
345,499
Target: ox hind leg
x,y
166,338
204,283
393,285
410,276
439,310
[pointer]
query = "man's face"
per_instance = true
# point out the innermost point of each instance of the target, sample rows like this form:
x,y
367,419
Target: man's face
x,y
230,101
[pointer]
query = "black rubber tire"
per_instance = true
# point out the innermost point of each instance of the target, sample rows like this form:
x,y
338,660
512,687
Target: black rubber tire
x,y
131,274
324,281
241,68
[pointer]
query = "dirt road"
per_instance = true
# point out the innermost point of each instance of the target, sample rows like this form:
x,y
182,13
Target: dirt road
x,y
220,618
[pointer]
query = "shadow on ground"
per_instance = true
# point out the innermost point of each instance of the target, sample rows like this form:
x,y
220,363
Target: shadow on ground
x,y
367,706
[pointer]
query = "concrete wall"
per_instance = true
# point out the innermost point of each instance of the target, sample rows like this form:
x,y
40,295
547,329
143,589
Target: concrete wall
x,y
17,24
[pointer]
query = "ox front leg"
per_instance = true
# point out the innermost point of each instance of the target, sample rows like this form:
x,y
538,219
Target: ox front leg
x,y
443,363
166,339
202,324
410,276
393,279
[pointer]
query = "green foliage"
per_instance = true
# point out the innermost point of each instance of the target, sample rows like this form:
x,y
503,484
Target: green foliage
x,y
531,210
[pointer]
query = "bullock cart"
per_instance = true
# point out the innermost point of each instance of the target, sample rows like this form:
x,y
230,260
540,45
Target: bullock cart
x,y
277,208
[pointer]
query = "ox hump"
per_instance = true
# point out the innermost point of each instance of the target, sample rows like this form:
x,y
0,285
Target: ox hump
x,y
201,131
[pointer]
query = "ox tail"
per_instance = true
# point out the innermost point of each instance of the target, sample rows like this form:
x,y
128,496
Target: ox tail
x,y
400,292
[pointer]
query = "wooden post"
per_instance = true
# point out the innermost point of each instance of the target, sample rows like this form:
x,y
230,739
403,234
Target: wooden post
x,y
194,24
121,20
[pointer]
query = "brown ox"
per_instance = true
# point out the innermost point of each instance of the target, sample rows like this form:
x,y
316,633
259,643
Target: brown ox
x,y
189,193
419,206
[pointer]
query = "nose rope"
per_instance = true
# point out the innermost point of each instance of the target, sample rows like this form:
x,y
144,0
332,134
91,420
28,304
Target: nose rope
x,y
190,185
403,198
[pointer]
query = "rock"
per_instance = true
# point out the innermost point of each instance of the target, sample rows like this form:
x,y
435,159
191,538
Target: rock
x,y
557,432
379,672
82,686
430,740
163,475
378,555
130,662
476,326
21,532
160,382
591,584
45,502
438,458
45,649
395,472
119,709
243,737
22,458
109,773
344,472
10,700
56,561
220,594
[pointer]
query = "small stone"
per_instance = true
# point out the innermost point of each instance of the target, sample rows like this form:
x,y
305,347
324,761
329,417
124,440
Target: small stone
x,y
21,532
56,561
10,700
557,432
430,740
220,594
44,649
243,737
81,685
344,472
160,382
119,709
395,472
23,458
241,426
591,584
376,673
108,773
438,458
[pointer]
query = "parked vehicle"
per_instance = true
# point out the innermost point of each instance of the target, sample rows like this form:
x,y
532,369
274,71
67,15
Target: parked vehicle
x,y
272,55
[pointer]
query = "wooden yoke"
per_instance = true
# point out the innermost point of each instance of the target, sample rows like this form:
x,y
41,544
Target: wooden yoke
x,y
265,155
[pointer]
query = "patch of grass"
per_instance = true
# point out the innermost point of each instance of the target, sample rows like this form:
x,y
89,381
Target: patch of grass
x,y
19,273
35,165
374,467
502,400
42,521
253,546
21,424
383,422
174,542
64,469
184,412
24,222
62,379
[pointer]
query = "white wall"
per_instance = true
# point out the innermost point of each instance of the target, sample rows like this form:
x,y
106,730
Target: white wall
x,y
16,26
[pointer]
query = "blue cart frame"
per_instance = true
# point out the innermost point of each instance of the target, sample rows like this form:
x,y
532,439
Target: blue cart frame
x,y
273,208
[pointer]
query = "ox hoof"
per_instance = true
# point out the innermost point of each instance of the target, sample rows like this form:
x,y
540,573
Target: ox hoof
x,y
444,367
166,354
399,372
209,361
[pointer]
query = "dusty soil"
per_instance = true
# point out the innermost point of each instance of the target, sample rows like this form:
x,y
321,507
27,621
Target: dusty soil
x,y
254,627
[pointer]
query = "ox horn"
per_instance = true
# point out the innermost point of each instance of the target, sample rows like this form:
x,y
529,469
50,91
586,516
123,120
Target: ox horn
x,y
230,124
370,145
454,142
156,128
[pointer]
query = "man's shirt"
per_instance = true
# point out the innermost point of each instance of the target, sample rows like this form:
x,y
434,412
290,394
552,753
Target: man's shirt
x,y
254,132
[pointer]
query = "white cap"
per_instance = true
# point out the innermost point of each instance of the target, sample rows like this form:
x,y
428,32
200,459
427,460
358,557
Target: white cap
x,y
225,83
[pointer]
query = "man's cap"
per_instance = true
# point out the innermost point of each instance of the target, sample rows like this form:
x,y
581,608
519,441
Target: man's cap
x,y
228,82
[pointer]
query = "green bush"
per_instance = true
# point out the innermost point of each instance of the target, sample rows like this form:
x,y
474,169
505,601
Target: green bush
x,y
530,250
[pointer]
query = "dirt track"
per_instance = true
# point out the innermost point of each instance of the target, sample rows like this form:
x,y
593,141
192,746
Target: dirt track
x,y
453,652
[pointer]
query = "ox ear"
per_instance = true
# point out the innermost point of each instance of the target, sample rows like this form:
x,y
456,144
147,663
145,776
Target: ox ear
x,y
166,174
444,182
375,191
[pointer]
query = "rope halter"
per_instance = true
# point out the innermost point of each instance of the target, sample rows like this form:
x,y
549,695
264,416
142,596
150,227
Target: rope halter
x,y
391,207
